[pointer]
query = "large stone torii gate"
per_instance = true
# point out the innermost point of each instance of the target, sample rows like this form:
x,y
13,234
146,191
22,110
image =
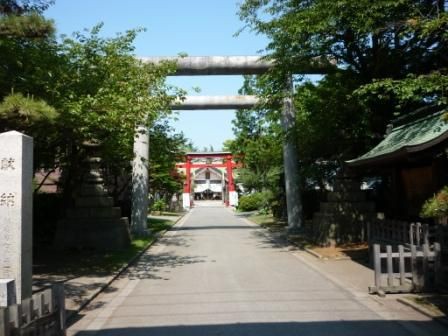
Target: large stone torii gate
x,y
221,65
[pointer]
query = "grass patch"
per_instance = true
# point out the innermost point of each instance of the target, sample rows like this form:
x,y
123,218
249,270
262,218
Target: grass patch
x,y
165,213
159,224
266,220
73,263
437,304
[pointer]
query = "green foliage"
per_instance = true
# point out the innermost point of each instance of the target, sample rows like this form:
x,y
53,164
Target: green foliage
x,y
22,6
413,89
31,25
255,201
26,110
167,148
386,39
436,206
104,91
391,57
23,19
85,88
159,224
159,205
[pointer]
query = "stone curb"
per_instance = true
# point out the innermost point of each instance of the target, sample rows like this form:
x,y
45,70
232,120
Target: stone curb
x,y
314,253
119,272
319,256
441,319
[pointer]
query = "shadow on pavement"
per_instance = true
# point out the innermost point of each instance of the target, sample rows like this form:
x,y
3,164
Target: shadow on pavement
x,y
151,266
318,328
178,240
214,227
271,240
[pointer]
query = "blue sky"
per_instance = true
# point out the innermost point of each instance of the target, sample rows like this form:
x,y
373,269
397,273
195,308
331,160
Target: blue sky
x,y
195,27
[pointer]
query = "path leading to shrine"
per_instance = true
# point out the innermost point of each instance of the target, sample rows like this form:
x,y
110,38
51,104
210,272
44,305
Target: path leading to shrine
x,y
216,274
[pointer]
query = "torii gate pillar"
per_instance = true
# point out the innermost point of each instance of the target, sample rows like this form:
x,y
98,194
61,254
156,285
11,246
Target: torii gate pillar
x,y
140,176
290,161
186,196
233,195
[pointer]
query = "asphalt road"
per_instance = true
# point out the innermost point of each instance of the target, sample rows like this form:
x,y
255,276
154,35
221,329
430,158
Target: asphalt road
x,y
215,274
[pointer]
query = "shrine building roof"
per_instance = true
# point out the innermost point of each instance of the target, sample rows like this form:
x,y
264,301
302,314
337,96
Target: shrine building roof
x,y
405,138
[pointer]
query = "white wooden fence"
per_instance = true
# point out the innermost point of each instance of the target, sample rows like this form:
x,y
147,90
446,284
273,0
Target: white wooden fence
x,y
399,232
403,271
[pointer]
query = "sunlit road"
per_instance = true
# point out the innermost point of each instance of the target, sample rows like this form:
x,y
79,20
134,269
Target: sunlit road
x,y
215,274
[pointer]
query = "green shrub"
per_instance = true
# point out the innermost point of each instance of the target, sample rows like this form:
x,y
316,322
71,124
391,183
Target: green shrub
x,y
255,201
436,206
158,205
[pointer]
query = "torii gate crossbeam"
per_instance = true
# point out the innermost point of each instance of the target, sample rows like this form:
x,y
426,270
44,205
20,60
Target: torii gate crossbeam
x,y
224,65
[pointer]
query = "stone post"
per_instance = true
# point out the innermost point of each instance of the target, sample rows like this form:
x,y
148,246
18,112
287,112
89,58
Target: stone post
x,y
140,181
291,161
7,292
16,210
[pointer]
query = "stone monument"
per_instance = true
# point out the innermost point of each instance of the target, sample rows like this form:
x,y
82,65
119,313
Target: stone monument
x,y
93,222
16,213
344,217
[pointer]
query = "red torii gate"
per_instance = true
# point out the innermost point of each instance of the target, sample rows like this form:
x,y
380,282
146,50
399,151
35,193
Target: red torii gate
x,y
232,200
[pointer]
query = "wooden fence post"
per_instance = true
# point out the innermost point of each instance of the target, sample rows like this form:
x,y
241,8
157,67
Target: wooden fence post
x,y
424,274
401,264
414,267
411,234
15,315
59,297
4,321
390,269
377,265
418,229
425,229
437,264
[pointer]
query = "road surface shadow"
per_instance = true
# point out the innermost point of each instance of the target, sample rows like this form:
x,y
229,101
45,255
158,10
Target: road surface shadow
x,y
214,227
318,328
177,240
152,266
267,239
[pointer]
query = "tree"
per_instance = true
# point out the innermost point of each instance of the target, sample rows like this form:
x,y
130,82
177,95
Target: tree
x,y
102,92
29,57
385,39
426,84
167,149
23,19
258,146
395,50
86,88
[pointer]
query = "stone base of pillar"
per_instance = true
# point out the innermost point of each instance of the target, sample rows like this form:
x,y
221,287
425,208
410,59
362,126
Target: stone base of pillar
x,y
233,198
186,203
